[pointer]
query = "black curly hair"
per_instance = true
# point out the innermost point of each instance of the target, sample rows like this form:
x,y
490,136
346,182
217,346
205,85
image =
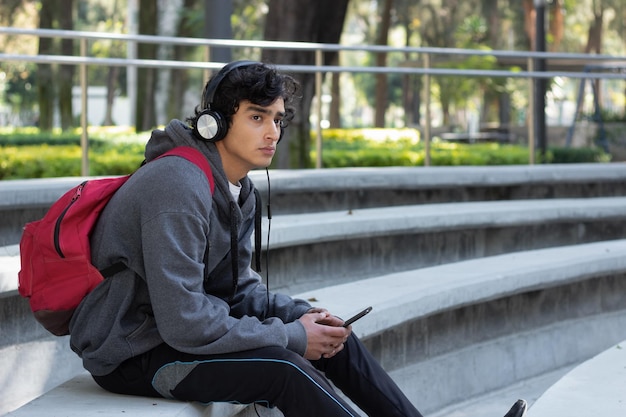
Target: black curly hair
x,y
258,83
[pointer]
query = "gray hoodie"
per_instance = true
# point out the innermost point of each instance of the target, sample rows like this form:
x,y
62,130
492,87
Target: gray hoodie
x,y
175,239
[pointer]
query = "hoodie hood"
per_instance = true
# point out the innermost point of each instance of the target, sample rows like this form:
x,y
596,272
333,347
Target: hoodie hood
x,y
177,133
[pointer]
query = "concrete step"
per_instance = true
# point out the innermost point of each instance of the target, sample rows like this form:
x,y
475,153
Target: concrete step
x,y
450,366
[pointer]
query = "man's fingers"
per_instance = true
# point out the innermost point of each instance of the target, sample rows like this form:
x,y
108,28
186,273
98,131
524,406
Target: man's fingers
x,y
334,349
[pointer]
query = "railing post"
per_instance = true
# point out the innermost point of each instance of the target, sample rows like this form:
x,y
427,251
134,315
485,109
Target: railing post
x,y
319,61
84,136
531,113
540,82
427,115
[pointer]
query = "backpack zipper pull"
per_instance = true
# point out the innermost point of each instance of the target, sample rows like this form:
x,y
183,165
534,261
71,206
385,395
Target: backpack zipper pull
x,y
79,192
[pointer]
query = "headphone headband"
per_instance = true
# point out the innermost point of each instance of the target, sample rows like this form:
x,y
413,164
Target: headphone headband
x,y
211,125
219,77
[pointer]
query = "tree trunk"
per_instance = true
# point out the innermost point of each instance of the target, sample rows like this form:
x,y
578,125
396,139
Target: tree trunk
x,y
312,21
66,72
594,43
411,99
491,12
529,22
594,39
410,82
491,99
112,79
381,61
45,83
146,77
180,77
557,24
111,85
334,117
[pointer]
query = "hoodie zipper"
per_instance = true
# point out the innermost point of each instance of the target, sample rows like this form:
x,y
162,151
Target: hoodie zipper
x,y
57,225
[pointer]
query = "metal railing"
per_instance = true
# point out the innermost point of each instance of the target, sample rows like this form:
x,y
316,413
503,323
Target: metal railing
x,y
425,67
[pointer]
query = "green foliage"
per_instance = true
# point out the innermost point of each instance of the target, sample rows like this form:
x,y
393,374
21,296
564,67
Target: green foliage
x,y
606,116
244,12
98,137
18,85
392,147
41,161
116,161
477,154
45,161
29,154
32,136
370,147
578,155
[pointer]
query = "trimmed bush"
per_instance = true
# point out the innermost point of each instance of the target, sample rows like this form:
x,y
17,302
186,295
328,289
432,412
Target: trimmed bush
x,y
29,154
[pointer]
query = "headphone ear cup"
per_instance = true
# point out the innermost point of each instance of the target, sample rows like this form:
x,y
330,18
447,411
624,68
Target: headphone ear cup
x,y
210,126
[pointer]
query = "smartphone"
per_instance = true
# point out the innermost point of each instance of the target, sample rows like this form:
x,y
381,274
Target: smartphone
x,y
357,316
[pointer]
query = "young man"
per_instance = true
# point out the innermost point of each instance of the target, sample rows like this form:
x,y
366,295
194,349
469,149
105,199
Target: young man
x,y
188,318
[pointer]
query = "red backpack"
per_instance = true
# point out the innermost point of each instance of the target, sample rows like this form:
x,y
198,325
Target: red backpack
x,y
56,271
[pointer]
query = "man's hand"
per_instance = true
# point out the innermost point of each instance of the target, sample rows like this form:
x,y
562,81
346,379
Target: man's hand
x,y
325,336
329,320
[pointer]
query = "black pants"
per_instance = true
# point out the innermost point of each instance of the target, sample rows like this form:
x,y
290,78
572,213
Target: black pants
x,y
274,377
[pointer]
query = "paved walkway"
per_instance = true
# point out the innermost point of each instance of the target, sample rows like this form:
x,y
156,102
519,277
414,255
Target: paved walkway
x,y
495,404
595,388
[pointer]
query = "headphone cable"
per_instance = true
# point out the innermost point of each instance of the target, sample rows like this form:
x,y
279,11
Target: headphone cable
x,y
267,246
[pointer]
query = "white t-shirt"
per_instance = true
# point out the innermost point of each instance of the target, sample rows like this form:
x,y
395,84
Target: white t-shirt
x,y
235,190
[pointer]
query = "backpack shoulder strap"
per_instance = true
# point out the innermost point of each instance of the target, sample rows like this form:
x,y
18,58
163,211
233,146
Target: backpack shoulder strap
x,y
192,155
196,157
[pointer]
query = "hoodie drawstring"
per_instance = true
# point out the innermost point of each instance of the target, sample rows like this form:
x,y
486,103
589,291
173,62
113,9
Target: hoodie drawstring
x,y
234,241
234,237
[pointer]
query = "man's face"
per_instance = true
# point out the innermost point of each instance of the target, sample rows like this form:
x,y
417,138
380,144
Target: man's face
x,y
251,139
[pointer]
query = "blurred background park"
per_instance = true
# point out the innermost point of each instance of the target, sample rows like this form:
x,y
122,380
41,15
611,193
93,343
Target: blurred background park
x,y
365,118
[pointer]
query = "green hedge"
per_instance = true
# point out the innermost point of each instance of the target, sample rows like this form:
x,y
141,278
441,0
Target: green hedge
x,y
30,154
65,161
402,147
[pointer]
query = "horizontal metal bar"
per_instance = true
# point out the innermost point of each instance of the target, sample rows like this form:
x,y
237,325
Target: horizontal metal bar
x,y
310,46
148,63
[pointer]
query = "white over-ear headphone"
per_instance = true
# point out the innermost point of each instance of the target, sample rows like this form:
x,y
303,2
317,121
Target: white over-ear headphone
x,y
211,125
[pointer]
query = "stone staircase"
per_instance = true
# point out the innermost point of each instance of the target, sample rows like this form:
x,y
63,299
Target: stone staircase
x,y
482,279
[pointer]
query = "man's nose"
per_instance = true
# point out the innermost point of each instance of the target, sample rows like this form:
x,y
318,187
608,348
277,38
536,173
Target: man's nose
x,y
273,131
